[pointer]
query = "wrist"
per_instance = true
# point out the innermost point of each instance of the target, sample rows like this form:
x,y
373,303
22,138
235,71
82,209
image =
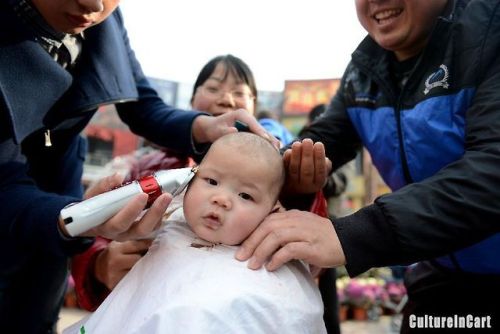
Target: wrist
x,y
198,133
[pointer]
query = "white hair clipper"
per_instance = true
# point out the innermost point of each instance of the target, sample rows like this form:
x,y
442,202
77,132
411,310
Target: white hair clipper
x,y
81,217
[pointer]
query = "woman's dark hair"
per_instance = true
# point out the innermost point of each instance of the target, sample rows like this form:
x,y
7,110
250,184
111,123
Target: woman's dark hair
x,y
233,65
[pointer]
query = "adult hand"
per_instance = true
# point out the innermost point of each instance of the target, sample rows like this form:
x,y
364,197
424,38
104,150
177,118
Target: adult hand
x,y
116,260
206,129
307,167
293,234
126,225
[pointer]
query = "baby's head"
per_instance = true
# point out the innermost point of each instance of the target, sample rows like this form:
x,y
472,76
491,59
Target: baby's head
x,y
236,187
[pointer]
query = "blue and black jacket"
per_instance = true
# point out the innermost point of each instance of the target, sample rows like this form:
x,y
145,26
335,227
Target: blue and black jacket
x,y
436,143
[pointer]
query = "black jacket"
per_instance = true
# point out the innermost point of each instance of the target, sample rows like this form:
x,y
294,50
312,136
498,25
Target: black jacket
x,y
436,143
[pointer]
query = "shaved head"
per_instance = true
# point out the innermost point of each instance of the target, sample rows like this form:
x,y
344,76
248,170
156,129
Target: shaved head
x,y
265,155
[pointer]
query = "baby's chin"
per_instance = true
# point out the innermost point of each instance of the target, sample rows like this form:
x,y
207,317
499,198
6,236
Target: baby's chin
x,y
206,235
212,237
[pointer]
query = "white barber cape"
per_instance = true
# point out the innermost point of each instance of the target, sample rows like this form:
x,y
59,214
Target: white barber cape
x,y
178,288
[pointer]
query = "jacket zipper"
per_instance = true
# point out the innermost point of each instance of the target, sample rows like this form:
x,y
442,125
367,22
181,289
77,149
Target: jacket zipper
x,y
404,162
389,92
48,141
402,151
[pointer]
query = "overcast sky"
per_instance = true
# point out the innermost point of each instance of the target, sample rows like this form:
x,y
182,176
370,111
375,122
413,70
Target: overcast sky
x,y
279,40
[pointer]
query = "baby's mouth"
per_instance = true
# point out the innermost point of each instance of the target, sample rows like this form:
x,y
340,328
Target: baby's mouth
x,y
212,220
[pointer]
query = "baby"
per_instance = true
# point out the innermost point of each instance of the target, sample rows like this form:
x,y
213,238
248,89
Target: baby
x,y
189,281
236,187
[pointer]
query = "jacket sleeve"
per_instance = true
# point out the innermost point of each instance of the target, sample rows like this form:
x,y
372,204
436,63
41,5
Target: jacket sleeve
x,y
455,208
149,116
29,215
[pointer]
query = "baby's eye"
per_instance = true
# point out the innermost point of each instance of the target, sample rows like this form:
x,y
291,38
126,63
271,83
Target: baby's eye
x,y
211,181
246,196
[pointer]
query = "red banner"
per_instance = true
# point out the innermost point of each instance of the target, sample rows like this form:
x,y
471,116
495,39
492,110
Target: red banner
x,y
302,95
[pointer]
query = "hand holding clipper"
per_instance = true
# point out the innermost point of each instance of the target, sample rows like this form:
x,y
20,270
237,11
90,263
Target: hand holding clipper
x,y
83,216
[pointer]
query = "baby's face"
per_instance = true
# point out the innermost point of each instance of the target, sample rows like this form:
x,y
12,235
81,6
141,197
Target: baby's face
x,y
229,197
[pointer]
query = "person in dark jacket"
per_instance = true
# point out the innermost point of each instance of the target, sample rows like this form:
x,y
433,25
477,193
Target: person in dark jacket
x,y
422,94
59,61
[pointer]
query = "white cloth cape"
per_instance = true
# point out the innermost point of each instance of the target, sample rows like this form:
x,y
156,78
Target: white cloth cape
x,y
177,288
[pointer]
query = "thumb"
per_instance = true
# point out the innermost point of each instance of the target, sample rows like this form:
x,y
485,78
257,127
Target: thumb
x,y
228,130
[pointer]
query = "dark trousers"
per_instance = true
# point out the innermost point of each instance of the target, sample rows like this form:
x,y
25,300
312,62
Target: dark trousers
x,y
437,292
328,291
31,296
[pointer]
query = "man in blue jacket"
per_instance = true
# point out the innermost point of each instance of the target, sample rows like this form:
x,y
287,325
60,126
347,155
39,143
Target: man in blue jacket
x,y
59,61
422,94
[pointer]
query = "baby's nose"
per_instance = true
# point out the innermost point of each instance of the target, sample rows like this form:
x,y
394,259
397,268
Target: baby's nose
x,y
222,200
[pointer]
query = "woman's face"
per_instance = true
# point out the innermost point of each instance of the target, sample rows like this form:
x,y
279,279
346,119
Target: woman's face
x,y
222,93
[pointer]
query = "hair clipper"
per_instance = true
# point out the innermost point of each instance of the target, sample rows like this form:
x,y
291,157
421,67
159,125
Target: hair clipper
x,y
81,217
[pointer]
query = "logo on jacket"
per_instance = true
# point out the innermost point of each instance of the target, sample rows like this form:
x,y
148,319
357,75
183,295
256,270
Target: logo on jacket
x,y
437,79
